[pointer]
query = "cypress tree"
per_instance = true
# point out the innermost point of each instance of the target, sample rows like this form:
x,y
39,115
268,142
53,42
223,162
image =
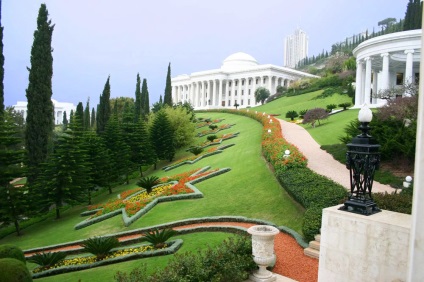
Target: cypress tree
x,y
40,119
79,114
145,108
64,121
167,97
408,16
137,112
103,111
87,115
1,68
93,118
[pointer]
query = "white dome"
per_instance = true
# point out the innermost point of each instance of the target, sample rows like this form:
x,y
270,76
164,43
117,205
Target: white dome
x,y
238,61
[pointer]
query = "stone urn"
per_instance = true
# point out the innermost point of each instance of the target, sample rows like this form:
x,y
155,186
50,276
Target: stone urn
x,y
263,251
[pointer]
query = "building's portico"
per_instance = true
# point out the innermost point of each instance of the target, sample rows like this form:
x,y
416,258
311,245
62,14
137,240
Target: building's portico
x,y
385,62
235,82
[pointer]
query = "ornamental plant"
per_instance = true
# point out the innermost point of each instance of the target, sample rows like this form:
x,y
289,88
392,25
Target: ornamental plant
x,y
100,246
158,238
148,182
292,115
47,260
196,150
210,138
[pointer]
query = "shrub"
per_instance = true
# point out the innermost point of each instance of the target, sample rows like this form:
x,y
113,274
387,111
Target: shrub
x,y
302,113
210,138
13,270
315,115
12,251
345,105
158,238
196,150
394,202
292,115
331,107
148,182
213,126
100,246
311,223
230,261
47,260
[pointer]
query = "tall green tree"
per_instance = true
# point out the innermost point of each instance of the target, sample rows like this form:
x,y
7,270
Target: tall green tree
x,y
93,118
65,175
87,115
413,15
104,110
40,119
79,114
137,112
261,94
64,121
145,104
162,137
167,97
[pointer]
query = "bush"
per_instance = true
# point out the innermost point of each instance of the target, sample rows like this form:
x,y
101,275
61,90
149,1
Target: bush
x,y
158,238
100,246
13,270
292,115
311,223
12,251
302,113
394,202
148,183
47,260
315,115
345,105
196,151
331,107
210,138
213,126
230,261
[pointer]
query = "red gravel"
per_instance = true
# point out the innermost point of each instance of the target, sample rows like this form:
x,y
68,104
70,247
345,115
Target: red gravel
x,y
291,262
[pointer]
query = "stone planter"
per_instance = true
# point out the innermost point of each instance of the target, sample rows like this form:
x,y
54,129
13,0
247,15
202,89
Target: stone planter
x,y
263,251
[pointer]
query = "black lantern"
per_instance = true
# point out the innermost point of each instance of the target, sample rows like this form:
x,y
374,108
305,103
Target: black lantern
x,y
362,159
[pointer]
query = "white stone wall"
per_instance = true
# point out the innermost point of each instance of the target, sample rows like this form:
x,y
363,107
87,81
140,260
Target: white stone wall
x,y
363,248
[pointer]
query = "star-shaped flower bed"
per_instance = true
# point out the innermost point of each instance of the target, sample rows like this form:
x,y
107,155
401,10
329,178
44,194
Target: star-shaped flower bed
x,y
134,203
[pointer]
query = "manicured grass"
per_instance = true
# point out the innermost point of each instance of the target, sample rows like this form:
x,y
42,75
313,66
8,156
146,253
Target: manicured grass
x,y
192,243
301,102
249,189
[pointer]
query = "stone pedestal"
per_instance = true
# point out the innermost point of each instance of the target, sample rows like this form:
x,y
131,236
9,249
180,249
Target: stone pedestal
x,y
263,251
363,248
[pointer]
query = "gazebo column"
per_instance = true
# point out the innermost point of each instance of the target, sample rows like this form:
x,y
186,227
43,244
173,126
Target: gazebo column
x,y
358,90
409,68
385,72
367,94
374,87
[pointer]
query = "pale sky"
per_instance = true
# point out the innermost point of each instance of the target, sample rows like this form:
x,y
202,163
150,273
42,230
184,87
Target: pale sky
x,y
96,38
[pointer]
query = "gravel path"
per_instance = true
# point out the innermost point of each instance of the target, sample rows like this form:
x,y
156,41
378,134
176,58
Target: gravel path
x,y
320,161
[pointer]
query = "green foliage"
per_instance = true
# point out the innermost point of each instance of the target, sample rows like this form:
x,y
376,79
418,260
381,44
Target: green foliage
x,y
413,15
1,72
196,150
162,136
47,260
397,202
302,113
328,92
292,115
145,104
148,182
331,107
213,126
79,114
183,128
315,115
210,138
261,94
13,270
230,261
100,246
103,109
137,110
345,106
40,119
312,222
167,97
158,238
87,121
12,251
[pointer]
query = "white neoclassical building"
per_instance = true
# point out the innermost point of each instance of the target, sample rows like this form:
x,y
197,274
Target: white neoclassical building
x,y
59,109
384,62
235,82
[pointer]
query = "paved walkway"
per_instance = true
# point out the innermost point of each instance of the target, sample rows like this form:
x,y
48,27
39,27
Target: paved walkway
x,y
319,160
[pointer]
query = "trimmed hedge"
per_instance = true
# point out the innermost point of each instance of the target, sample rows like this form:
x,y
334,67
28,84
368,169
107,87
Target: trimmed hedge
x,y
12,251
314,192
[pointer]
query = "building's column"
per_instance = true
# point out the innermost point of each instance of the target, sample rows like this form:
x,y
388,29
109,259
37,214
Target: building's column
x,y
246,92
367,94
239,97
233,92
209,96
252,92
221,87
409,69
269,84
374,87
358,90
196,95
214,97
385,72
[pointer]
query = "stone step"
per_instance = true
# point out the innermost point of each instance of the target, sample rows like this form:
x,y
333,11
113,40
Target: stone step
x,y
311,253
318,237
314,245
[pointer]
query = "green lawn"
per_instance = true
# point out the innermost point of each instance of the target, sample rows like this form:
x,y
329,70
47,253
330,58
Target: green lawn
x,y
301,102
249,189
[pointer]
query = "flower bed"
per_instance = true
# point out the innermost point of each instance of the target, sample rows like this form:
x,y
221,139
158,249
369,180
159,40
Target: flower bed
x,y
139,203
191,160
218,140
203,124
213,131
